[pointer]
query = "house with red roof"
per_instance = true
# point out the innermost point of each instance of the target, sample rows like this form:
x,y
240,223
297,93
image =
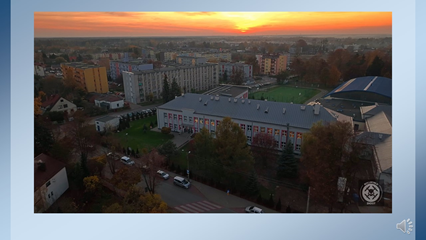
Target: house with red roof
x,y
56,103
50,181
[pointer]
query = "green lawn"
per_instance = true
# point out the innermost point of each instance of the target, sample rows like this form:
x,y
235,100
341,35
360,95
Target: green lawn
x,y
137,139
286,94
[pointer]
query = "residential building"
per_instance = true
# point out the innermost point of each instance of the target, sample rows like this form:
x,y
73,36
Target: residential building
x,y
186,60
90,77
229,91
284,121
50,181
109,102
107,123
56,103
224,56
230,68
272,64
167,56
39,69
138,85
111,56
117,67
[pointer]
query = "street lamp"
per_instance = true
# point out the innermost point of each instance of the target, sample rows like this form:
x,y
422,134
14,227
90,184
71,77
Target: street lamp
x,y
187,159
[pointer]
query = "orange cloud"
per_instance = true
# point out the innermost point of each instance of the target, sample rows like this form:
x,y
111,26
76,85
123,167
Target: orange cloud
x,y
91,24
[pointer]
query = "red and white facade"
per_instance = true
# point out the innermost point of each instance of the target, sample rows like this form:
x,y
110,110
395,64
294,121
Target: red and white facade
x,y
186,120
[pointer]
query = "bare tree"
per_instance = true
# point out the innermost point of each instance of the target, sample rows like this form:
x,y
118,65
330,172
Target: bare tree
x,y
151,163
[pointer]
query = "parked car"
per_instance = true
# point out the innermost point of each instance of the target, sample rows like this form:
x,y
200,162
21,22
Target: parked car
x,y
181,182
127,161
163,174
253,209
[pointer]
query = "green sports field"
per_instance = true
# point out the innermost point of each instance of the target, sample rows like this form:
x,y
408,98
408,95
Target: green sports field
x,y
285,94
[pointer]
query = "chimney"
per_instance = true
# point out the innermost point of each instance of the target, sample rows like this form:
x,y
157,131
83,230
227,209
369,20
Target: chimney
x,y
229,99
235,100
317,109
303,107
41,166
248,101
283,110
211,98
199,99
258,106
205,104
267,110
242,101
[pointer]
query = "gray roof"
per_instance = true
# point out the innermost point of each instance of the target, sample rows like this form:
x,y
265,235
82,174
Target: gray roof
x,y
105,119
248,111
226,90
372,138
386,109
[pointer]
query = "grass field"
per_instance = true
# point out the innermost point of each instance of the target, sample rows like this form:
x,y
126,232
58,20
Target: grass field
x,y
136,138
286,94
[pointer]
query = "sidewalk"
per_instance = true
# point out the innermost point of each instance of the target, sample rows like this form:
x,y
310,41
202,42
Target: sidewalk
x,y
227,201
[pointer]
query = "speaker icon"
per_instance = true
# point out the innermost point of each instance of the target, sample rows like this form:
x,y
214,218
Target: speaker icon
x,y
403,226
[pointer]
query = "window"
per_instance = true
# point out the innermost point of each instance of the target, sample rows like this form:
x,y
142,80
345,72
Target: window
x,y
185,118
118,105
62,100
248,127
262,129
297,147
282,144
190,119
165,115
243,126
277,131
174,116
212,122
277,143
65,105
165,124
48,184
248,139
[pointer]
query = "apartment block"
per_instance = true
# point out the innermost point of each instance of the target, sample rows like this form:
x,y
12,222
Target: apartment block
x,y
117,67
90,77
230,68
272,64
138,85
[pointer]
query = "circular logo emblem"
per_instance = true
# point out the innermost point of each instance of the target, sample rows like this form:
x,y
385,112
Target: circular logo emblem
x,y
371,193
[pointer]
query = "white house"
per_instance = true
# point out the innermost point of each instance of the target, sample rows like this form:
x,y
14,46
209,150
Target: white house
x,y
109,102
39,70
107,122
56,103
50,181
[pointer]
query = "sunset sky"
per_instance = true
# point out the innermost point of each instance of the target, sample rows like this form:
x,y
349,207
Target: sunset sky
x,y
134,24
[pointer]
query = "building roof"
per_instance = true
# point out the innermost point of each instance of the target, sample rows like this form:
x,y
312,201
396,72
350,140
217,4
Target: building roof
x,y
81,65
171,67
375,109
227,90
379,123
50,101
346,107
53,166
106,98
105,119
373,84
247,109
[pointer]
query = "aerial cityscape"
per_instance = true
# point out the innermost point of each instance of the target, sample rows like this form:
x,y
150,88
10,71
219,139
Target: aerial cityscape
x,y
212,112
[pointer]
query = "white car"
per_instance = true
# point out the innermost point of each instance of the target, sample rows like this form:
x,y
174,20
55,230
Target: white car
x,y
127,161
253,209
163,174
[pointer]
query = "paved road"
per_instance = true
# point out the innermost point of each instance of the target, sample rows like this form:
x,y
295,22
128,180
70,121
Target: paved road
x,y
200,198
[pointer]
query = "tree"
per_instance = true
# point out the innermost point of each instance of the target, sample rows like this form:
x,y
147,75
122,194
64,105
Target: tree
x,y
43,138
287,163
169,150
137,202
60,60
232,150
37,106
125,178
237,77
334,76
330,151
151,162
204,155
282,76
165,130
113,208
252,185
375,69
91,184
166,90
175,90
225,77
263,146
